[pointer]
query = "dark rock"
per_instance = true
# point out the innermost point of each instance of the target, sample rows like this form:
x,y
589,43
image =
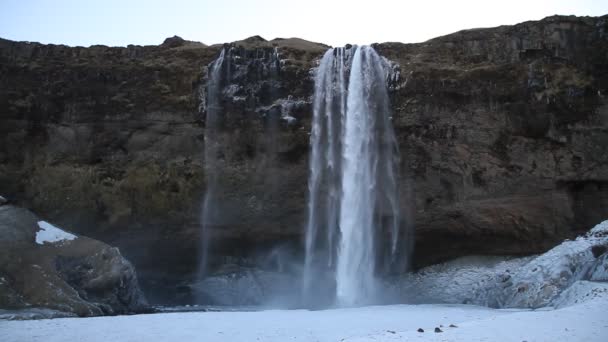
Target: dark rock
x,y
77,275
453,326
174,41
598,250
9,298
420,330
437,330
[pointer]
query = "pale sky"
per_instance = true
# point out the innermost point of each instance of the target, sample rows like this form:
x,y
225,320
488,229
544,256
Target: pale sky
x,y
144,22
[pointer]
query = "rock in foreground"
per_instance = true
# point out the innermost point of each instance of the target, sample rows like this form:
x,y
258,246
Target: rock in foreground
x,y
44,266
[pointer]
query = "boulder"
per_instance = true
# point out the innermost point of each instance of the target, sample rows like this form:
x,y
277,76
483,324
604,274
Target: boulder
x,y
44,266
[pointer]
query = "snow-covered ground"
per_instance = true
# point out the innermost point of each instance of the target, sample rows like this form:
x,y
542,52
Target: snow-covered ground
x,y
584,321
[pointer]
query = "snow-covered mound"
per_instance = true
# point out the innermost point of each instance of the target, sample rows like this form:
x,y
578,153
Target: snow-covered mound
x,y
531,282
581,291
459,281
540,281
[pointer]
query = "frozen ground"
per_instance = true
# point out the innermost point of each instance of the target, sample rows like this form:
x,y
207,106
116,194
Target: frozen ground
x,y
583,321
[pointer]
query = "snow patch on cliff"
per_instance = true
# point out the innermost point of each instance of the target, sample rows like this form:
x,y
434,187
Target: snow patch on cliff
x,y
51,234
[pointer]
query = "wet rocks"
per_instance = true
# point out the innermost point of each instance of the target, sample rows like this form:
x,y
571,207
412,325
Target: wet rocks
x,y
598,250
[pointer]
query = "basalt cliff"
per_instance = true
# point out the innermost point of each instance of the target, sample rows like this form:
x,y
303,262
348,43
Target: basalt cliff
x,y
502,133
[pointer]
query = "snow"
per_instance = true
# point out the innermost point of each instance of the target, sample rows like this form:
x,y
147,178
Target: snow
x,y
51,234
460,281
584,321
581,291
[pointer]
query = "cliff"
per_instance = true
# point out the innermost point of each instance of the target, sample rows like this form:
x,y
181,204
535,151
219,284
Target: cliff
x,y
502,133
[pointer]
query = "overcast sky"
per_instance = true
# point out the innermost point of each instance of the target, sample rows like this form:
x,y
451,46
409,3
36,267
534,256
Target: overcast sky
x,y
123,22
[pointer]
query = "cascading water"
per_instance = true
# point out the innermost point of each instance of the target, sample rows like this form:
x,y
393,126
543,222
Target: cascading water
x,y
325,166
238,81
353,178
212,122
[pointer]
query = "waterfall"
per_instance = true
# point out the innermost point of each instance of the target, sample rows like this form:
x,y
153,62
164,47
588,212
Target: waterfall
x,y
237,78
325,165
353,193
212,148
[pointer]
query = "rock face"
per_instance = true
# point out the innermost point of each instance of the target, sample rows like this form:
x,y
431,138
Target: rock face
x,y
43,266
502,134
